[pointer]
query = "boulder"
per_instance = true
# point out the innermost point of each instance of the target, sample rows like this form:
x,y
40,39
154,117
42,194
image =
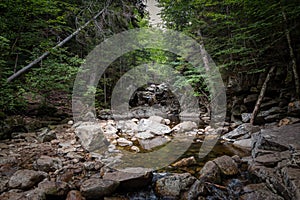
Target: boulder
x,y
226,165
47,164
185,126
278,139
51,189
173,185
149,144
127,126
242,131
157,119
259,191
130,179
144,135
154,127
244,143
95,188
124,142
26,179
210,173
90,135
185,162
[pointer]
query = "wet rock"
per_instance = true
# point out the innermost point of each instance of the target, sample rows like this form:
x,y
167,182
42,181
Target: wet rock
x,y
152,143
243,131
123,142
173,185
74,195
154,127
53,189
185,126
227,165
259,191
130,179
90,135
25,179
185,162
47,164
96,188
46,135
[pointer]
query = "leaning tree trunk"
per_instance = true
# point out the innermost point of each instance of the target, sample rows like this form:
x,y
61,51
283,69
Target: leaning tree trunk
x,y
261,95
44,55
292,55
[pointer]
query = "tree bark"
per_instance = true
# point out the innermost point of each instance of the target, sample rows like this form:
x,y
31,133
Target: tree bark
x,y
44,55
292,55
261,95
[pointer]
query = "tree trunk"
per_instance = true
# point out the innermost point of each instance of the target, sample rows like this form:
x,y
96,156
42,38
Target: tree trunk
x,y
261,95
44,55
292,55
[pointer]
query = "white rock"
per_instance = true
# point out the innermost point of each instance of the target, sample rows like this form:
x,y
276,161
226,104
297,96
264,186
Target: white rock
x,y
144,135
154,127
157,119
123,142
70,122
185,126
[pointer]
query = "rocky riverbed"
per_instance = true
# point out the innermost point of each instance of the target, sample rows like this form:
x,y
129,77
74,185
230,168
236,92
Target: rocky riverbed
x,y
64,162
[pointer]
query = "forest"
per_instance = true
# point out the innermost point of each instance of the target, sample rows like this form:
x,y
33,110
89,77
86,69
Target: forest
x,y
254,45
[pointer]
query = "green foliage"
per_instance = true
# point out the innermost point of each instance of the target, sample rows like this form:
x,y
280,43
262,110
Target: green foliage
x,y
30,28
241,36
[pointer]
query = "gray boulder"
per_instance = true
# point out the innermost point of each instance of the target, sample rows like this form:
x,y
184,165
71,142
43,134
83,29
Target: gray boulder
x,y
243,131
185,126
95,188
130,178
173,185
47,164
227,165
26,179
149,144
210,173
90,135
153,126
259,191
